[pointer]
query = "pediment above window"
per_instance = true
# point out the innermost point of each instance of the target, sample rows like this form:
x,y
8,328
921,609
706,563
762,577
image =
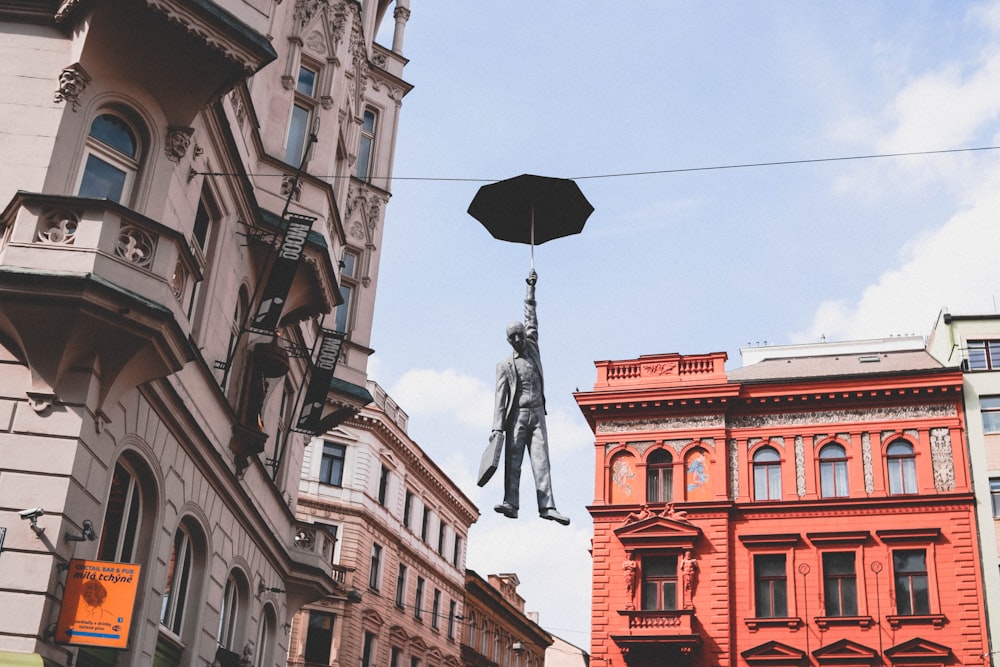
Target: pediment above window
x,y
372,619
666,528
774,653
919,650
846,652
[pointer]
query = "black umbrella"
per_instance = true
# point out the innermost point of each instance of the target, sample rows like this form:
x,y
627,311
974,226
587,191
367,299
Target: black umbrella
x,y
531,209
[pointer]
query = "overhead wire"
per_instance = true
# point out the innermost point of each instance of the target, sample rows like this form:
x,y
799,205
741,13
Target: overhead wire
x,y
652,172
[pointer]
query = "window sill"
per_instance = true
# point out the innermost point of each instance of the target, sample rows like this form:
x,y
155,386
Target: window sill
x,y
791,622
937,620
823,622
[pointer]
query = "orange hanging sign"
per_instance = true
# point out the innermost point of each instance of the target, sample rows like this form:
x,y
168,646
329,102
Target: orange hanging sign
x,y
97,607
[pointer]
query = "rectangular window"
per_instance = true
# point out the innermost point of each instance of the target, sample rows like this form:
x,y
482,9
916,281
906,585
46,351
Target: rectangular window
x,y
414,661
989,406
395,656
418,600
659,583
300,123
456,555
401,586
348,282
441,531
365,145
840,584
909,568
770,586
407,508
331,467
319,637
368,652
425,523
452,608
436,610
375,575
984,355
383,485
995,497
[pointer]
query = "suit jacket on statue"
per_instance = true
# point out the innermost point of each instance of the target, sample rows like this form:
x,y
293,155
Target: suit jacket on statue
x,y
507,375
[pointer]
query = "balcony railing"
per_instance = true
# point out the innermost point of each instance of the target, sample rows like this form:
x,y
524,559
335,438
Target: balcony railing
x,y
662,368
659,622
100,238
315,543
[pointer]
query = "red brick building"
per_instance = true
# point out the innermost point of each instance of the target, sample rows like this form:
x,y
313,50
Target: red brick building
x,y
811,508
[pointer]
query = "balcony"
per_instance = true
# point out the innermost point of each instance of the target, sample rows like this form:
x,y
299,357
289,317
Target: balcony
x,y
83,278
658,634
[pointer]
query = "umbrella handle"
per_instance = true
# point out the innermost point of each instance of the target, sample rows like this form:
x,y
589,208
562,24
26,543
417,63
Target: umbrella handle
x,y
532,237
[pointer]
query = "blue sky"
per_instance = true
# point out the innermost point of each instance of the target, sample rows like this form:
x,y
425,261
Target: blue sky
x,y
692,261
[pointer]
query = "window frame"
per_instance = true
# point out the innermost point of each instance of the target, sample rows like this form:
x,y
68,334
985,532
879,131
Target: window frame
x,y
401,574
383,484
987,354
912,593
839,580
659,476
436,609
229,613
989,410
833,470
314,638
343,314
307,103
767,471
760,580
366,145
176,591
327,478
659,585
418,599
375,571
130,166
995,496
897,466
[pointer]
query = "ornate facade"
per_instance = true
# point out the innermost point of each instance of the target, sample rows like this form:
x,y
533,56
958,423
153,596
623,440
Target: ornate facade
x,y
811,508
402,529
193,194
495,630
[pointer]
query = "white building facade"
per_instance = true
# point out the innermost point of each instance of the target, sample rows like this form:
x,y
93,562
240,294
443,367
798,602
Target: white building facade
x,y
193,194
972,342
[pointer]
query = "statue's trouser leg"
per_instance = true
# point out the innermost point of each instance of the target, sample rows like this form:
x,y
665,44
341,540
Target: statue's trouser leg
x,y
538,454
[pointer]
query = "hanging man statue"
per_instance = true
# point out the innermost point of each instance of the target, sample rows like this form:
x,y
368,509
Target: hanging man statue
x,y
519,414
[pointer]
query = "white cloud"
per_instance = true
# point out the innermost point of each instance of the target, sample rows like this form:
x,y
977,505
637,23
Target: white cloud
x,y
424,391
954,267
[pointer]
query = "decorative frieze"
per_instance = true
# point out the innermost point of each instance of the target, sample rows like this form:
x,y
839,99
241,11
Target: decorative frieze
x,y
136,246
888,413
660,424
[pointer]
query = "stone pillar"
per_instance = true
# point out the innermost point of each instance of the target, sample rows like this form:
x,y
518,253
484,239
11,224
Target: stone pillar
x,y
402,15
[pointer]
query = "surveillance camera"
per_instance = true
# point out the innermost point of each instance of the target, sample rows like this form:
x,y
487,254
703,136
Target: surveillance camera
x,y
32,514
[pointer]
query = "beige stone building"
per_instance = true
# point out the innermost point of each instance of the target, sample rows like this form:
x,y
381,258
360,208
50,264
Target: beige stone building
x,y
193,195
496,631
402,529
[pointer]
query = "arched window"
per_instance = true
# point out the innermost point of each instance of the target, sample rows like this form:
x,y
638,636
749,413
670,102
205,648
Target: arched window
x,y
265,637
833,471
473,630
767,474
178,582
231,618
902,467
111,158
366,145
123,517
659,477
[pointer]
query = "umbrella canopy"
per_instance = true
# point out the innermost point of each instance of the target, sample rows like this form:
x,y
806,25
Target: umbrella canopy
x,y
531,209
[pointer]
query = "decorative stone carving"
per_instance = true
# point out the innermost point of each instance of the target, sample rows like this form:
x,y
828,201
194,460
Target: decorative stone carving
x,y
641,446
315,41
659,369
866,462
58,227
734,470
178,282
135,245
73,81
178,142
290,185
942,459
800,466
